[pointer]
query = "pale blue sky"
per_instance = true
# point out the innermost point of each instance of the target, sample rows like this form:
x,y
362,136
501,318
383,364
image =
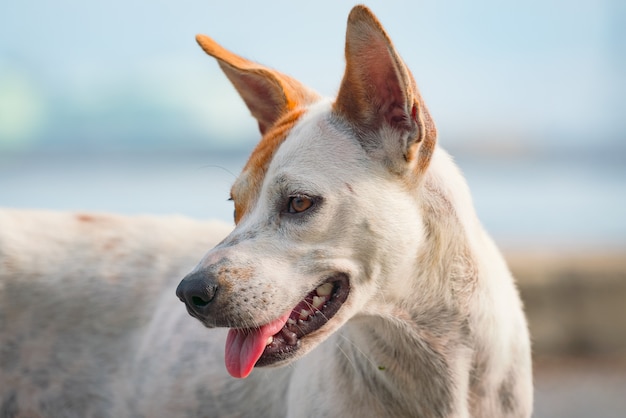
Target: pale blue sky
x,y
128,74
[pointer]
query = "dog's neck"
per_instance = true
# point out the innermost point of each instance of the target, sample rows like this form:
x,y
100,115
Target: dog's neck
x,y
401,366
396,365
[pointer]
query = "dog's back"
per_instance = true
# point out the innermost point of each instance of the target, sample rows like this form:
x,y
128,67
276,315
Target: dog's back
x,y
83,299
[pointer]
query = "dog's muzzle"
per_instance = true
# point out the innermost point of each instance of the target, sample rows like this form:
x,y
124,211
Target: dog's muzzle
x,y
197,290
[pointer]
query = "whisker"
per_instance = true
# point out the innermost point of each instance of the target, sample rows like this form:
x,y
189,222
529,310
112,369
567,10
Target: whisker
x,y
221,168
357,348
347,357
315,310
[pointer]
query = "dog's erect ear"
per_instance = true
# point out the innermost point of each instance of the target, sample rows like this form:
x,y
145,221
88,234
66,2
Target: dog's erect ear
x,y
378,91
267,93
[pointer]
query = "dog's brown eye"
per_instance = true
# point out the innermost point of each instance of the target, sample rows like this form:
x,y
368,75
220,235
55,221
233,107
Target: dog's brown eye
x,y
299,204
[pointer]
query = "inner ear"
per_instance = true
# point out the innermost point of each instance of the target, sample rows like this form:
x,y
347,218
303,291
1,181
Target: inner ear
x,y
376,88
268,94
378,91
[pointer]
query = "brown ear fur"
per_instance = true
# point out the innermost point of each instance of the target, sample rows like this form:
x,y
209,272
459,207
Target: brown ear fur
x,y
378,90
267,93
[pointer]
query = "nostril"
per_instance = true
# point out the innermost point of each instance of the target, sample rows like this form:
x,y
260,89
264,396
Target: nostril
x,y
197,290
199,302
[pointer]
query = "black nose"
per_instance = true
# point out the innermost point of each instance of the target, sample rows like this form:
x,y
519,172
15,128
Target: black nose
x,y
197,290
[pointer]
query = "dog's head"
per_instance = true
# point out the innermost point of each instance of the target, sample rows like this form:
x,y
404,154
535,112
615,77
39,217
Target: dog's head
x,y
325,209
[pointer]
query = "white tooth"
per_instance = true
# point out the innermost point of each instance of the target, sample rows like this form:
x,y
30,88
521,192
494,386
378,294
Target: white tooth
x,y
270,340
291,321
318,301
325,290
304,314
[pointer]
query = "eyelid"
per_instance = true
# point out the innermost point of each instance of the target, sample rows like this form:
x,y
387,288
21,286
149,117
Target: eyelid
x,y
231,199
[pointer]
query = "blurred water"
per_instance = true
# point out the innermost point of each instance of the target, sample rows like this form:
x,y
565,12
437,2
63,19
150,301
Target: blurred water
x,y
551,201
574,202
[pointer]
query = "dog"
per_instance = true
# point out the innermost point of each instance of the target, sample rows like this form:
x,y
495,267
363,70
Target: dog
x,y
357,281
356,256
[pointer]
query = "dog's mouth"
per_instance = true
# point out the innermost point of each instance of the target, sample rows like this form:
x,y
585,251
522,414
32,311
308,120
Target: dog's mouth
x,y
280,339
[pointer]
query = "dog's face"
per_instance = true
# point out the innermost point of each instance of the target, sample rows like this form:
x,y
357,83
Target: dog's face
x,y
325,209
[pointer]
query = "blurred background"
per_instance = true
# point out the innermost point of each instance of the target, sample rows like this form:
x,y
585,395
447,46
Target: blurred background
x,y
113,107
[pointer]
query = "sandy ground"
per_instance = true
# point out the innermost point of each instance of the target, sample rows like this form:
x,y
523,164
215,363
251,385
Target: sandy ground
x,y
576,307
580,388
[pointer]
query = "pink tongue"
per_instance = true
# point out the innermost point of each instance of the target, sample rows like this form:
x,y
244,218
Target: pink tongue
x,y
244,347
